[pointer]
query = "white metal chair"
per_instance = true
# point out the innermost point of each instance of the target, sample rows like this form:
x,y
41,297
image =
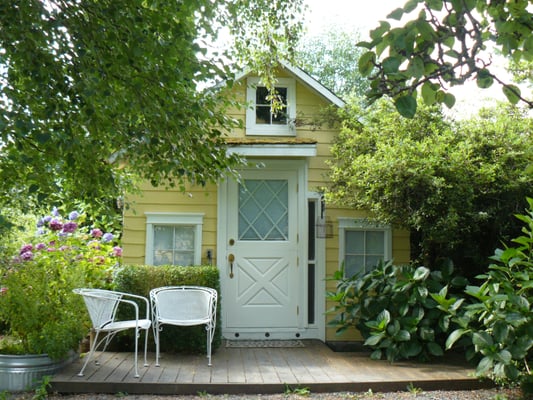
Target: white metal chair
x,y
102,306
184,306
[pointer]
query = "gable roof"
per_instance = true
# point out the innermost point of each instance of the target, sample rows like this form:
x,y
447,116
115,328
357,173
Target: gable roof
x,y
307,80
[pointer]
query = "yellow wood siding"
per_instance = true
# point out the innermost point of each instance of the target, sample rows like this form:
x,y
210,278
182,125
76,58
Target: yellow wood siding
x,y
194,200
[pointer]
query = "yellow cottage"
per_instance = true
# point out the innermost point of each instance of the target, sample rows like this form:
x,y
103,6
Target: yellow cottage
x,y
270,234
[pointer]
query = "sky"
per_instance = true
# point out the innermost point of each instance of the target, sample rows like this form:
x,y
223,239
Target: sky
x,y
365,15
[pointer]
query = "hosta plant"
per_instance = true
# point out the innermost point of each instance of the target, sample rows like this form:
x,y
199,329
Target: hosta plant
x,y
39,314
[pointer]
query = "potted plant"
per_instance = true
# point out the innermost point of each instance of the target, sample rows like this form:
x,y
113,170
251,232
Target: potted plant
x,y
41,320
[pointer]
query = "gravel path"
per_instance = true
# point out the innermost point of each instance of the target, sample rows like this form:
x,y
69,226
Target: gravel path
x,y
484,394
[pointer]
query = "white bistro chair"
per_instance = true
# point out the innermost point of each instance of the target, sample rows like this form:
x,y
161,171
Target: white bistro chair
x,y
102,306
184,306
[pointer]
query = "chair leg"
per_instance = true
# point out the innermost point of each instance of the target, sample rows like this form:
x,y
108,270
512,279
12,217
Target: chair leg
x,y
145,346
156,338
136,350
91,353
209,339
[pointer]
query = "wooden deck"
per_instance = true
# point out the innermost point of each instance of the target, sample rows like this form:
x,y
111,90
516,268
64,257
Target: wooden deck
x,y
263,370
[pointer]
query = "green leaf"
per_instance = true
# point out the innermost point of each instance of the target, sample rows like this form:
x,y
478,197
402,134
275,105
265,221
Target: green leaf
x,y
396,14
376,354
374,339
484,79
512,92
406,106
421,273
377,33
454,337
416,67
410,5
449,100
482,339
429,91
484,365
435,349
366,63
391,65
435,4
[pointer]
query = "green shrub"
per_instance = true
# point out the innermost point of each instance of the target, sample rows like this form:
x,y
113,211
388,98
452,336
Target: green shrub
x,y
498,319
140,279
39,314
392,308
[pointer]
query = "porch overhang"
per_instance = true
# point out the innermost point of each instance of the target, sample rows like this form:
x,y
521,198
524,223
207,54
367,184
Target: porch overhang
x,y
276,147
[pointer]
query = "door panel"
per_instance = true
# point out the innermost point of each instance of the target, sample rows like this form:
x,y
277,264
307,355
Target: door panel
x,y
262,285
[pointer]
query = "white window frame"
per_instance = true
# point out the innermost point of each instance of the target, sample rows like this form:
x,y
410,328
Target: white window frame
x,y
254,129
173,219
363,224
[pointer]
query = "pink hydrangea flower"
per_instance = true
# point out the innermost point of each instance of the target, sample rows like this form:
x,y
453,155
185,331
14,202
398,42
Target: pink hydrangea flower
x,y
117,251
96,233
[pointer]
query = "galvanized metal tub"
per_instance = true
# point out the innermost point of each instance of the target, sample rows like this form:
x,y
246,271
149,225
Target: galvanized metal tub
x,y
19,373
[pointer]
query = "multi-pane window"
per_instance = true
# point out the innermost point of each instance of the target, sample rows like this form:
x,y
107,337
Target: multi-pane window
x,y
173,245
363,245
173,238
271,113
265,113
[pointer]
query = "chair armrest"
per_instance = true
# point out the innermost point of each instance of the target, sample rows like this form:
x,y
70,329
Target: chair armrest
x,y
134,296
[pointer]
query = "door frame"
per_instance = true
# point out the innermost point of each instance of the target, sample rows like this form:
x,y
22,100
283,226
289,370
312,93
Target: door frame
x,y
303,330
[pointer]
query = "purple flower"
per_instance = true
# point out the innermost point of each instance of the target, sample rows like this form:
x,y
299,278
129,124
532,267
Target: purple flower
x,y
107,237
70,227
56,225
96,233
63,248
117,251
74,215
27,256
40,246
26,248
40,223
47,219
41,231
55,212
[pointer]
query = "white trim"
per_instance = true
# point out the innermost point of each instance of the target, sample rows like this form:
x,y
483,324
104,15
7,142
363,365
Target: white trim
x,y
320,274
273,150
306,79
315,85
173,218
254,129
364,224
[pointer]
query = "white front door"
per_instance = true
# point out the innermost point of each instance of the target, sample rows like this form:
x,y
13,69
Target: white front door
x,y
260,273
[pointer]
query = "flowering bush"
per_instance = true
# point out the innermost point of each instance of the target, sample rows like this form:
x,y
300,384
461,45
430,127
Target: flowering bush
x,y
38,311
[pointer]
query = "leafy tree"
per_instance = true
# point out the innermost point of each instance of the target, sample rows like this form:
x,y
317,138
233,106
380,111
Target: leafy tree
x,y
453,184
96,94
446,44
331,58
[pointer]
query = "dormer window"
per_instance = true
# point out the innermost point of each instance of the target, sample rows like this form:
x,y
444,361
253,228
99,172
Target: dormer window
x,y
261,117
